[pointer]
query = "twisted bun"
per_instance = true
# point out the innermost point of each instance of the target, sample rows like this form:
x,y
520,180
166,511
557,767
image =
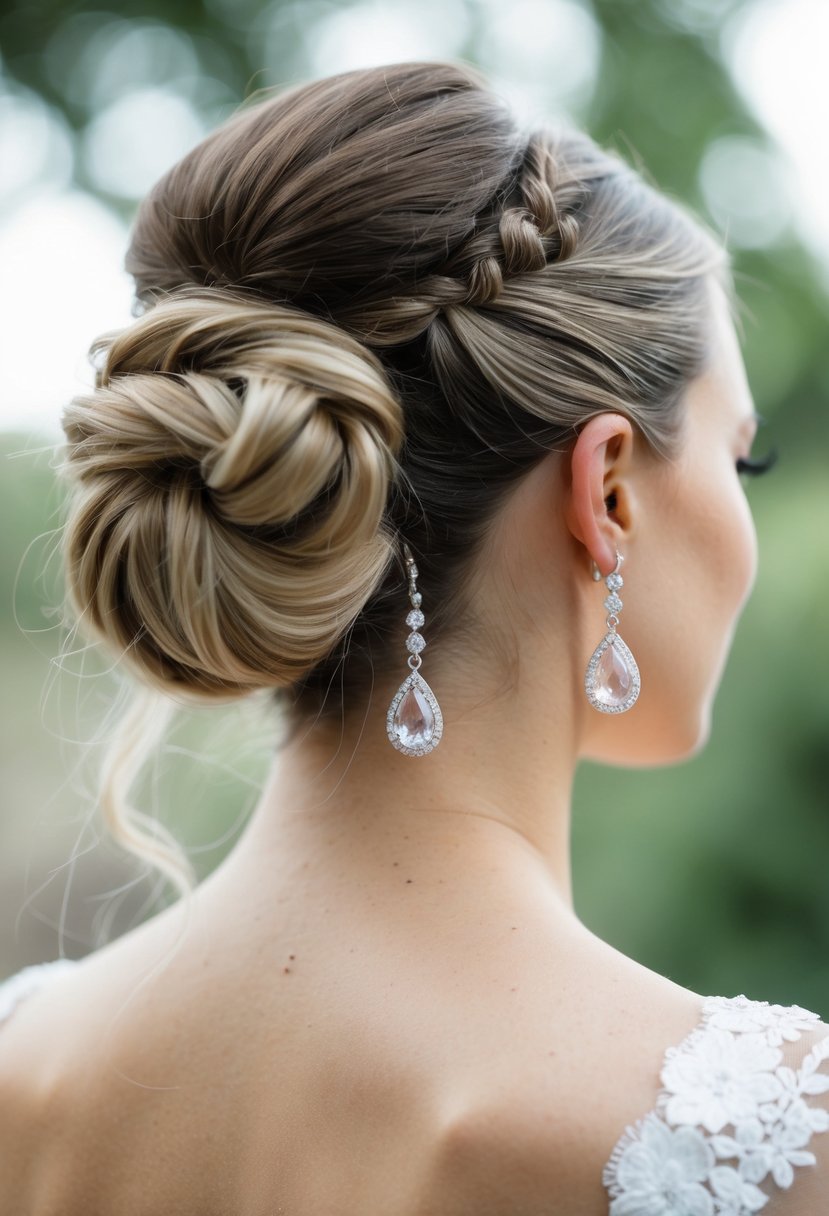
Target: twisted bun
x,y
230,471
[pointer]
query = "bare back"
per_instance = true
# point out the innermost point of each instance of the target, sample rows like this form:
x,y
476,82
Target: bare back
x,y
350,1056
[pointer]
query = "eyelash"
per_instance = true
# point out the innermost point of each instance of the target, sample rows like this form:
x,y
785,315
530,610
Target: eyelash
x,y
757,466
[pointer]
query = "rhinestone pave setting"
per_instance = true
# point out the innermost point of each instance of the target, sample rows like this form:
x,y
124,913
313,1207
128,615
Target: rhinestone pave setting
x,y
612,681
414,722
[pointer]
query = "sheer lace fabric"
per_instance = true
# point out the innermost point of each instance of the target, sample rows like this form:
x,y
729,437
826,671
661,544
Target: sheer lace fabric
x,y
738,1125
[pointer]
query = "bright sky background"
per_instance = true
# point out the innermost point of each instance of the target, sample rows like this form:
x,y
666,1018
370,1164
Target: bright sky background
x,y
61,251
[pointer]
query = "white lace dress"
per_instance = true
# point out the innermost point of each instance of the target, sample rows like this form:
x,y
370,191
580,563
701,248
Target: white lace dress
x,y
736,1125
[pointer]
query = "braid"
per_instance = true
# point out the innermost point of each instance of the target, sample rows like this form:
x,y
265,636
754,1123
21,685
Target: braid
x,y
552,194
524,236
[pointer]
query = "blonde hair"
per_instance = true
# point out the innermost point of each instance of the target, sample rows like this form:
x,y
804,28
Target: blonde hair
x,y
370,304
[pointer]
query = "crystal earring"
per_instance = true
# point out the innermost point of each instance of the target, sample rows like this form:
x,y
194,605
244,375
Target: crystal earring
x,y
414,722
612,677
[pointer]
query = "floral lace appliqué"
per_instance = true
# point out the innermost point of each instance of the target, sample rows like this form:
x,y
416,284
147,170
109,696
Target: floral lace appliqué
x,y
729,1115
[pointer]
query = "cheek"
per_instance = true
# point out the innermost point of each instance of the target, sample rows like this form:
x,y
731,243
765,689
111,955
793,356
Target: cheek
x,y
740,540
691,597
722,551
750,552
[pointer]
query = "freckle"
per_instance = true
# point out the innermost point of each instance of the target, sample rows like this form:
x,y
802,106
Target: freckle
x,y
395,863
291,956
551,1053
515,926
286,969
513,989
408,880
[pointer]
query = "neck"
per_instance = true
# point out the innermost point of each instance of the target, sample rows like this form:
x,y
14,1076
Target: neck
x,y
498,785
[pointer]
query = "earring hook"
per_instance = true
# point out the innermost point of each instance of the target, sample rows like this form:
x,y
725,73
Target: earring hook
x,y
597,574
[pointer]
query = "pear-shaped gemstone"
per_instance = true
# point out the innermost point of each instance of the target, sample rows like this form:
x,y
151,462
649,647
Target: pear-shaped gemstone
x,y
414,722
613,677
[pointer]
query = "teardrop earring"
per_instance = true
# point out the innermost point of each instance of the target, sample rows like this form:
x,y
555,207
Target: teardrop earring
x,y
414,722
611,680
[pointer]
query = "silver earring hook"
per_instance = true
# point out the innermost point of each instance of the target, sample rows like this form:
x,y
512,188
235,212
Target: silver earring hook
x,y
597,574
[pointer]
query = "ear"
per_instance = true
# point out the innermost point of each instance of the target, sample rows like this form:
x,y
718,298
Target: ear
x,y
599,466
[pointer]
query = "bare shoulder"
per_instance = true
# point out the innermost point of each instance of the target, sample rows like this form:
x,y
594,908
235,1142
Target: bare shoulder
x,y
57,1043
29,1049
21,1101
540,1140
574,1071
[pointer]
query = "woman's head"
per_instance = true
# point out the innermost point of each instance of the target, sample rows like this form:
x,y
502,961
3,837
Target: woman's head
x,y
688,537
372,306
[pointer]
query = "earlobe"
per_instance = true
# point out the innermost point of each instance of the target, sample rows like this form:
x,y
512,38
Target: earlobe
x,y
596,489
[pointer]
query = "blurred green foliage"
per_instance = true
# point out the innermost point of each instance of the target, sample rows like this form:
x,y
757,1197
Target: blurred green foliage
x,y
714,872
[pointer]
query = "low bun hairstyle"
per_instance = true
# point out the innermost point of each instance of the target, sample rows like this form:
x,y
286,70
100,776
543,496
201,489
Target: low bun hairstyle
x,y
368,306
232,469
